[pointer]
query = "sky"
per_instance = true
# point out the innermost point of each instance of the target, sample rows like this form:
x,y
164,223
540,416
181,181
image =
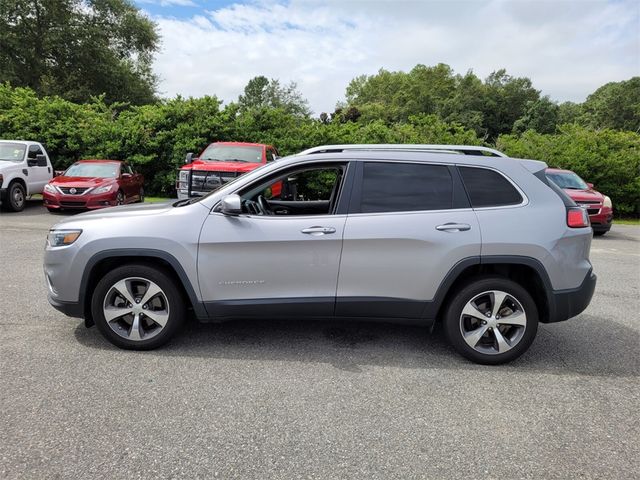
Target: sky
x,y
567,47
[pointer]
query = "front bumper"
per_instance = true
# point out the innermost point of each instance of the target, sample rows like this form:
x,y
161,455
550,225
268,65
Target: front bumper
x,y
70,309
79,202
565,304
601,221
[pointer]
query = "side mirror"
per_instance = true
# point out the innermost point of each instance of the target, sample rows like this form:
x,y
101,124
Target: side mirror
x,y
58,173
189,158
41,160
231,205
590,185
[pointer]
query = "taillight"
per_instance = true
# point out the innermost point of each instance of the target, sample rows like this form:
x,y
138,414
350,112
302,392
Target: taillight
x,y
577,217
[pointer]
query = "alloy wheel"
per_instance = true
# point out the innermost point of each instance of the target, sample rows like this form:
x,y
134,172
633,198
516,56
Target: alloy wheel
x,y
136,308
493,322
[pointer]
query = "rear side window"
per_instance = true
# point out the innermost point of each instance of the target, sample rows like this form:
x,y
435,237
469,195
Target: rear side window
x,y
487,188
403,187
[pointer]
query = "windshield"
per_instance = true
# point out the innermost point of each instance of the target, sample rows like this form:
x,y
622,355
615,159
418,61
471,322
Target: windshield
x,y
12,152
230,153
567,180
90,170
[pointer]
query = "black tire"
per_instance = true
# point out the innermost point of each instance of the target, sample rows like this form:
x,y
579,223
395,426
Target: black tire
x,y
16,197
176,306
453,319
52,210
141,195
599,233
120,198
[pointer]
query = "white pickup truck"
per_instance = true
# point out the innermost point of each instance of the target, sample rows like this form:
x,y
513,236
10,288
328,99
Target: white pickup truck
x,y
25,168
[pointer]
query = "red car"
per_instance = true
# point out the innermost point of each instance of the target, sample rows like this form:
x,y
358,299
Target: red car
x,y
219,163
91,184
599,206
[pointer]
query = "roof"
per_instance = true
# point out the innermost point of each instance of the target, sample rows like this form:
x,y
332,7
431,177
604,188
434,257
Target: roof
x,y
559,170
425,148
25,142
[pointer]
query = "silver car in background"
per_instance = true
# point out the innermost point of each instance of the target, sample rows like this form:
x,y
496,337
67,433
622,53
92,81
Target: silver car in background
x,y
484,245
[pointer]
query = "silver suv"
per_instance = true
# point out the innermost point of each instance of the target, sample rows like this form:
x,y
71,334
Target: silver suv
x,y
484,245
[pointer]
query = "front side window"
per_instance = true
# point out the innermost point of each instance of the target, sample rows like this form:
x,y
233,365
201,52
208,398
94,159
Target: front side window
x,y
488,188
300,191
405,187
231,153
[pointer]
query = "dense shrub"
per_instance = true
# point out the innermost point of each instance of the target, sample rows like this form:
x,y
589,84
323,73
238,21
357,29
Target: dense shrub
x,y
155,138
610,159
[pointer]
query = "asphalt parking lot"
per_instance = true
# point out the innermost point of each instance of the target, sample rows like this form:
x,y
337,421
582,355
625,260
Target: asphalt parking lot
x,y
315,400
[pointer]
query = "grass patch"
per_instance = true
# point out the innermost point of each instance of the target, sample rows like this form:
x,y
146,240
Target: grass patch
x,y
627,221
158,199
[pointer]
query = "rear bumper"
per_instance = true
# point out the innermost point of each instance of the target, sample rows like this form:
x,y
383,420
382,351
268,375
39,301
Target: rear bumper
x,y
565,304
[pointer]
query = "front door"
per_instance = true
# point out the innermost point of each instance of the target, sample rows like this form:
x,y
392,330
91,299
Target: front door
x,y
280,258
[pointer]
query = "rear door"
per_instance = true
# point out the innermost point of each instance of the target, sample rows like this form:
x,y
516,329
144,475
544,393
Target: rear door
x,y
408,225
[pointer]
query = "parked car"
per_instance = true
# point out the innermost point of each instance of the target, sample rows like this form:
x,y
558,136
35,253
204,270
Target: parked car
x,y
599,206
487,250
219,163
25,168
92,184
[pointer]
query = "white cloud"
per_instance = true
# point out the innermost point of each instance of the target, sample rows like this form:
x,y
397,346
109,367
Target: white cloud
x,y
568,48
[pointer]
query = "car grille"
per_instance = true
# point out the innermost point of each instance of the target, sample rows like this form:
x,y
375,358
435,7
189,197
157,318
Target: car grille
x,y
592,206
76,190
208,181
72,204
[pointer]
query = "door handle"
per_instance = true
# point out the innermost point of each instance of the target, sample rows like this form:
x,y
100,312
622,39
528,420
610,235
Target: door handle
x,y
315,231
454,227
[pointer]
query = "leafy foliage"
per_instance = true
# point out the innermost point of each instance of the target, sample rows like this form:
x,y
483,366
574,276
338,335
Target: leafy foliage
x,y
78,49
607,158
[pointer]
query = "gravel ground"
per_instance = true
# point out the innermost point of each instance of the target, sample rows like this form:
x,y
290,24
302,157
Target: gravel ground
x,y
315,399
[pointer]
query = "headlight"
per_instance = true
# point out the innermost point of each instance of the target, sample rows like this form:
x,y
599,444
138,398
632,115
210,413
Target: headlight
x,y
62,238
607,202
183,176
103,189
49,188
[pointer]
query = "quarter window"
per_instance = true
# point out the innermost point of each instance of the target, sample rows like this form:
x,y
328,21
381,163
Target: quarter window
x,y
404,187
488,188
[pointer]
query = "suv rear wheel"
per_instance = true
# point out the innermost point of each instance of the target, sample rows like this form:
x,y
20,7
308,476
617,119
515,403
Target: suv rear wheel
x,y
137,307
491,320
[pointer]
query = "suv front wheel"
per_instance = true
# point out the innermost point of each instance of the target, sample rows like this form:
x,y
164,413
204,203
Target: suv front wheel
x,y
491,320
137,307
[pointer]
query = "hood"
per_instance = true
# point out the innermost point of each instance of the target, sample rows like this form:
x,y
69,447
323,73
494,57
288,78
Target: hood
x,y
113,213
589,195
81,182
215,166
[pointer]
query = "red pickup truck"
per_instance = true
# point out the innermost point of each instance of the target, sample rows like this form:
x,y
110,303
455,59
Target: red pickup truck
x,y
219,163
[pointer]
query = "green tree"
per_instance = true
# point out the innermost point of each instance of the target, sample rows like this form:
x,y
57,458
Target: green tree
x,y
261,93
506,99
614,105
540,115
78,49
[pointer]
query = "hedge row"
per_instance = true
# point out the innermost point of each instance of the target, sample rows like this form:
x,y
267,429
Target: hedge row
x,y
156,137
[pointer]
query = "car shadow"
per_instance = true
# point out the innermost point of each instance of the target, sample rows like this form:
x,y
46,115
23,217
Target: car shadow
x,y
584,346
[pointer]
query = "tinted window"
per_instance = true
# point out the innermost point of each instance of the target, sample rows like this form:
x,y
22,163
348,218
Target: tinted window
x,y
403,187
487,188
